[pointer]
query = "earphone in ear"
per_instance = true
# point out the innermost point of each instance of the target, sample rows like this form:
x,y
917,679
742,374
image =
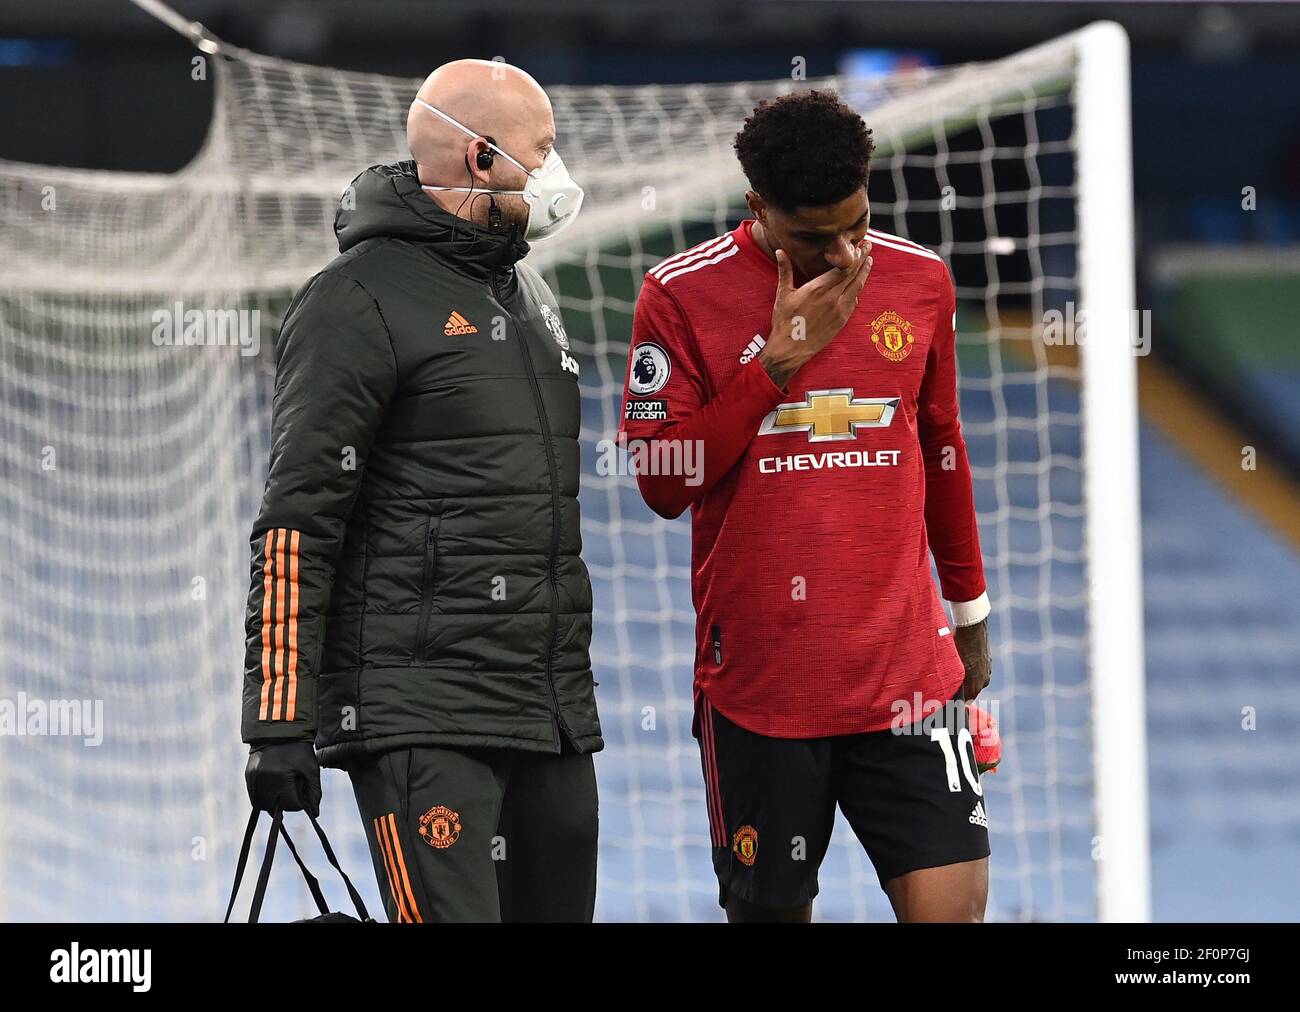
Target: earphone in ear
x,y
484,158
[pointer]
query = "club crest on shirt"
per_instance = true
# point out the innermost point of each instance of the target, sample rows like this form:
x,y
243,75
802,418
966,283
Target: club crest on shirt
x,y
745,845
556,326
440,827
892,336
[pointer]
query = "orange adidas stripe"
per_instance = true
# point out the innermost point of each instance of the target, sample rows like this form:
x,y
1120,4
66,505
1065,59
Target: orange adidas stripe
x,y
277,695
401,863
388,869
381,834
279,699
266,627
293,627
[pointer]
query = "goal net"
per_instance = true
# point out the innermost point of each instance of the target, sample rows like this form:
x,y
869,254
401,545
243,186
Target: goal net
x,y
137,316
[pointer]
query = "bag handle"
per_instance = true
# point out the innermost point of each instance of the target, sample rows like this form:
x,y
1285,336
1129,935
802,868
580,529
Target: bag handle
x,y
329,856
312,884
264,875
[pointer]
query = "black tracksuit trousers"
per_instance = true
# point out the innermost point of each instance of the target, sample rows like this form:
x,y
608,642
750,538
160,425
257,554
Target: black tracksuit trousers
x,y
480,834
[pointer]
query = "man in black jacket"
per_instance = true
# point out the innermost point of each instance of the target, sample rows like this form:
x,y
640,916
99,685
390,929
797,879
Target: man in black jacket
x,y
419,607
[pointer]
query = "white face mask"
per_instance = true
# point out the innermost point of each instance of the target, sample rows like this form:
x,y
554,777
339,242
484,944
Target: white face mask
x,y
553,198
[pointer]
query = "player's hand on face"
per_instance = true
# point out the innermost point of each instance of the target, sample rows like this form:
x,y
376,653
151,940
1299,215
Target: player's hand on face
x,y
807,318
973,647
855,276
844,255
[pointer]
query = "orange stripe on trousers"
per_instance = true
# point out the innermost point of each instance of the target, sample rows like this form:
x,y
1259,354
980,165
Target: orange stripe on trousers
x,y
401,863
381,834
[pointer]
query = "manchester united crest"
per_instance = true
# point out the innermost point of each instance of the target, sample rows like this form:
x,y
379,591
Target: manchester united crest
x,y
440,827
745,845
892,336
556,326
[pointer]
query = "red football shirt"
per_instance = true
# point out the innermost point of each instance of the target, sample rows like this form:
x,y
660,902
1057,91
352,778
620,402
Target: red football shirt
x,y
817,613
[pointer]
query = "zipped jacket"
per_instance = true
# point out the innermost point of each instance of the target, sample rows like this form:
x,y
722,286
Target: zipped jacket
x,y
416,568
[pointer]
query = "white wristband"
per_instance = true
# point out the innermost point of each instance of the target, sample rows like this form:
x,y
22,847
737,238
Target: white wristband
x,y
966,613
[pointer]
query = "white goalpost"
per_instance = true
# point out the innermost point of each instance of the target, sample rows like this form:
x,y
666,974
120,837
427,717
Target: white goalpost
x,y
1106,280
130,469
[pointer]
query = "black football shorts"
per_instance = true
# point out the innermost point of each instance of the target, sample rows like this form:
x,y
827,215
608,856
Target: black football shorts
x,y
913,800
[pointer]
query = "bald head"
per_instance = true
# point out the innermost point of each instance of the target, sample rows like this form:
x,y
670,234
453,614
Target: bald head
x,y
490,98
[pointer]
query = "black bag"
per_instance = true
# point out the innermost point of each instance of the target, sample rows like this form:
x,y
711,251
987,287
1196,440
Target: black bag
x,y
277,830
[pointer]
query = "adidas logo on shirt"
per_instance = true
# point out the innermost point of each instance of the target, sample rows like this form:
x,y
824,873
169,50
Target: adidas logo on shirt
x,y
979,816
457,324
752,349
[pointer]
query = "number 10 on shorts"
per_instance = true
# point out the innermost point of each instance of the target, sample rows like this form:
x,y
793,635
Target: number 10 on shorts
x,y
966,747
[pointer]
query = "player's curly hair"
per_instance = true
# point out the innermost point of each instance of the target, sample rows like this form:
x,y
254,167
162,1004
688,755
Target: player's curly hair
x,y
808,149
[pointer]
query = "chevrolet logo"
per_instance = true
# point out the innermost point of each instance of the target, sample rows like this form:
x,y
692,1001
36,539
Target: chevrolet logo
x,y
830,414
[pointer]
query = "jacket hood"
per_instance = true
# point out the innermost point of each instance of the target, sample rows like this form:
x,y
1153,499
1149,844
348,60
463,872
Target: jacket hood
x,y
387,202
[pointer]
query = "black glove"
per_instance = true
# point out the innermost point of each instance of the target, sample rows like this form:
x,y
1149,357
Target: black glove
x,y
284,775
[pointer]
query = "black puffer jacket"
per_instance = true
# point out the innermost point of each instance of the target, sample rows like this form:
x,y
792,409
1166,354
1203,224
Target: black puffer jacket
x,y
416,568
